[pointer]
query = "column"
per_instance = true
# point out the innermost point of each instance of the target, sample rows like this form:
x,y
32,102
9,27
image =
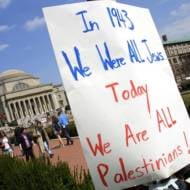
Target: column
x,y
45,105
55,101
35,106
49,102
11,111
25,108
15,110
30,107
6,111
40,105
21,111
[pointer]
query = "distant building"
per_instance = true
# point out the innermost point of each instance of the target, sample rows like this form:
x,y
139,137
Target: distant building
x,y
178,53
22,95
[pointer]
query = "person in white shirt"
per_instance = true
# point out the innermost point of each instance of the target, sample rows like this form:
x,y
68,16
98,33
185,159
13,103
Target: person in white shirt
x,y
5,145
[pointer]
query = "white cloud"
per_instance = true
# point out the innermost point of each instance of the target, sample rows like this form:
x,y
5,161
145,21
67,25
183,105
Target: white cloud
x,y
4,3
3,46
34,24
177,29
4,28
178,23
183,10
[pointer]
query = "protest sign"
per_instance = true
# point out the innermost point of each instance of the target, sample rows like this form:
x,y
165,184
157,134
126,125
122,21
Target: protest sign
x,y
131,119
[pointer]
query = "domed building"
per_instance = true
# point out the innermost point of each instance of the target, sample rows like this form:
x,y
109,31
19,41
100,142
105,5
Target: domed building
x,y
22,95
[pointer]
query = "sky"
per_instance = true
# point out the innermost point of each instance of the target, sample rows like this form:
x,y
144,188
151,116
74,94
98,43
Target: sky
x,y
25,43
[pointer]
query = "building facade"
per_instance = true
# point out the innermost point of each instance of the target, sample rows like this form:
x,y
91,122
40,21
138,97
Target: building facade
x,y
22,95
178,54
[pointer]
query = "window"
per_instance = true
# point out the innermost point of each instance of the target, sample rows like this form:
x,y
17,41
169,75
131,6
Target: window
x,y
20,86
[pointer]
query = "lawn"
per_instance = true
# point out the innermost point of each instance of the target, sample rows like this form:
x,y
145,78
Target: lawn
x,y
186,97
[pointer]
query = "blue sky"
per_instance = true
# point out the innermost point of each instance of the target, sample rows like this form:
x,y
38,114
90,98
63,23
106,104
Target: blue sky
x,y
25,43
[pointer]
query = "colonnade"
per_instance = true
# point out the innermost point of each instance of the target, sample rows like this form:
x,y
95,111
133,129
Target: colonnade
x,y
31,106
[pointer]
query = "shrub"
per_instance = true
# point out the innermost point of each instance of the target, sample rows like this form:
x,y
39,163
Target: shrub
x,y
73,129
12,123
16,174
185,85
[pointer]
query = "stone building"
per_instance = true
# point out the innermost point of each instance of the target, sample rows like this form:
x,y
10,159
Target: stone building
x,y
22,95
178,54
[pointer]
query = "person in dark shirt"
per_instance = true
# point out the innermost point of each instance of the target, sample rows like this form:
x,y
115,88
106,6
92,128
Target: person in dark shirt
x,y
25,144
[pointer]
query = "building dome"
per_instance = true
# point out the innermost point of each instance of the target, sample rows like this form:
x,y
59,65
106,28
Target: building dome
x,y
12,74
23,96
16,80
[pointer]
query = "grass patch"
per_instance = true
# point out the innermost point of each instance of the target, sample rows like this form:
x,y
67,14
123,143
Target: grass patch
x,y
186,98
16,174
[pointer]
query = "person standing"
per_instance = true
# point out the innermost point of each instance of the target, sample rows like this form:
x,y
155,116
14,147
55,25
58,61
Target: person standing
x,y
5,145
63,121
38,137
25,144
57,130
45,139
42,139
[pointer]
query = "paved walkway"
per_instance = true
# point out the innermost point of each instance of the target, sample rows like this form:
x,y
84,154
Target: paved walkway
x,y
72,154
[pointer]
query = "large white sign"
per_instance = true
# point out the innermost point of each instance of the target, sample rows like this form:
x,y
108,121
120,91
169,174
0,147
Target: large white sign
x,y
131,119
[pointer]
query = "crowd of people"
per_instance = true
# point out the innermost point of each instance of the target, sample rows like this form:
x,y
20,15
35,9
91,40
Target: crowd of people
x,y
59,124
